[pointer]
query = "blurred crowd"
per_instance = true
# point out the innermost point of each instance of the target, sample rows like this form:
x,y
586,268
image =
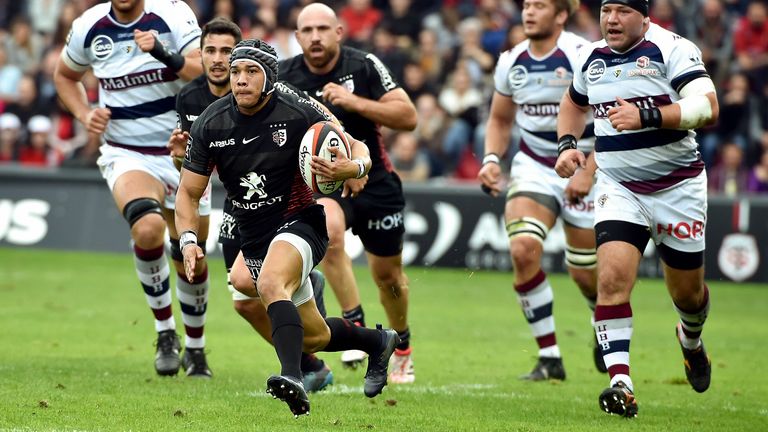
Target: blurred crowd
x,y
442,53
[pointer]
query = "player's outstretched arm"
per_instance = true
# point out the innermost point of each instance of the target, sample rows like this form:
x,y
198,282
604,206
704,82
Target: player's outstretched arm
x,y
191,188
497,134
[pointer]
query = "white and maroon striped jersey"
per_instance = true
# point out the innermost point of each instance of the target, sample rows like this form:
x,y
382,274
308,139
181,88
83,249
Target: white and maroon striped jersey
x,y
536,86
139,90
650,74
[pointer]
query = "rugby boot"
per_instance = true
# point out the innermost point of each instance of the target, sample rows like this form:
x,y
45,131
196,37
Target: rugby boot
x,y
378,363
546,368
619,400
698,367
167,353
195,364
291,391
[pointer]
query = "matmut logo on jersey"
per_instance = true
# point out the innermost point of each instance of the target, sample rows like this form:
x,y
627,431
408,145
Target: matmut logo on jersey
x,y
102,47
595,70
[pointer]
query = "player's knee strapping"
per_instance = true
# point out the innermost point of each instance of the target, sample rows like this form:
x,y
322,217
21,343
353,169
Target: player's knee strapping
x,y
527,227
580,258
136,209
176,250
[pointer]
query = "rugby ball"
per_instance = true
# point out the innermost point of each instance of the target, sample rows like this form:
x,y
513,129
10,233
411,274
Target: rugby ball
x,y
317,141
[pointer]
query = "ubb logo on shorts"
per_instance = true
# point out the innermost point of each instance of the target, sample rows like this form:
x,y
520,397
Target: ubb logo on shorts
x,y
102,47
517,77
595,70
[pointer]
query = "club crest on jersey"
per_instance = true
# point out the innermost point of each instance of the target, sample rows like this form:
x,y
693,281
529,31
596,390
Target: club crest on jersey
x,y
643,62
255,184
561,72
517,76
280,137
102,47
349,85
595,70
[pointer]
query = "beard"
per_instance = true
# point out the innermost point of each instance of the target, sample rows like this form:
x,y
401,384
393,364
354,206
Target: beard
x,y
223,82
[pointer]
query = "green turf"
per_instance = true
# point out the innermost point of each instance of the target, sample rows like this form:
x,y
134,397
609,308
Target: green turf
x,y
76,354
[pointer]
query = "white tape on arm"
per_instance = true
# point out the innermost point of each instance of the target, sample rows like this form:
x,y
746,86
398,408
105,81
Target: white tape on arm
x,y
695,108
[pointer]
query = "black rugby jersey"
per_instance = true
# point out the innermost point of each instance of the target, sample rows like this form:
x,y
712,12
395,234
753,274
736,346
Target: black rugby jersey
x,y
192,100
257,158
364,75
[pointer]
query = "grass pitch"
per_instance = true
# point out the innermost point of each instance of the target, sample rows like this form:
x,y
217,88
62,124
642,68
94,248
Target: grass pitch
x,y
76,354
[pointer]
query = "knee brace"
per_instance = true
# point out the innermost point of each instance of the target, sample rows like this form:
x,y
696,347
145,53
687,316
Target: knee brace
x,y
528,227
580,258
136,209
176,249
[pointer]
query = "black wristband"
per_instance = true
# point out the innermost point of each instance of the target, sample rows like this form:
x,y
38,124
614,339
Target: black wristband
x,y
566,142
173,60
650,117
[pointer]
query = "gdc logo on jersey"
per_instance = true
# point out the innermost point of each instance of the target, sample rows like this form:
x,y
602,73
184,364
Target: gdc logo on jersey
x,y
517,77
595,70
102,47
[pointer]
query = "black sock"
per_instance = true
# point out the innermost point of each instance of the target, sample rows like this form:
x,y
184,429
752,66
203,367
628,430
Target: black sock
x,y
310,363
287,336
356,315
345,335
405,339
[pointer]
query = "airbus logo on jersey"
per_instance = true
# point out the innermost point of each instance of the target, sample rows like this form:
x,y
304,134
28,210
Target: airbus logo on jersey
x,y
220,144
517,76
595,70
102,47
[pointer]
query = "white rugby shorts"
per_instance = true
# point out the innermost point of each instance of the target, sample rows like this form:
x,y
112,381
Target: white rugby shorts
x,y
676,216
116,161
527,175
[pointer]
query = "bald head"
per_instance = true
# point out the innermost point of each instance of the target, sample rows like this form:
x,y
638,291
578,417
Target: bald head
x,y
317,11
319,33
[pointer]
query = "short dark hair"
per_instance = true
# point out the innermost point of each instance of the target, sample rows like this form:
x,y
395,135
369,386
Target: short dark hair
x,y
221,25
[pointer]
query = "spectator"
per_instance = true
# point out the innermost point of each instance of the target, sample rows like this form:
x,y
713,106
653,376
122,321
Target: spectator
x,y
10,76
431,130
757,181
404,24
584,24
24,47
10,134
360,19
415,81
750,40
386,49
713,34
26,104
430,56
733,124
410,162
729,176
664,14
461,100
38,151
44,15
478,62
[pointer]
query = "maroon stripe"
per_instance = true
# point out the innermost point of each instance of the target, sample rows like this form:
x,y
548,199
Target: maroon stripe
x,y
154,151
671,179
546,341
531,284
198,279
194,332
163,314
606,312
148,254
618,369
546,161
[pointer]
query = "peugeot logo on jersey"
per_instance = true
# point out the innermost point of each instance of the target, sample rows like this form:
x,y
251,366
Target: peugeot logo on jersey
x,y
517,77
255,184
102,47
595,70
